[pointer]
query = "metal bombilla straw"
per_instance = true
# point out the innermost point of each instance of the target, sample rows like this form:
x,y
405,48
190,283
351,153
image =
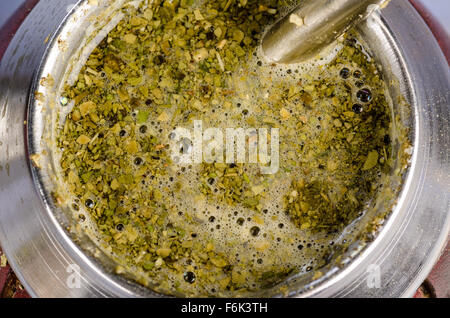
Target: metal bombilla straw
x,y
312,26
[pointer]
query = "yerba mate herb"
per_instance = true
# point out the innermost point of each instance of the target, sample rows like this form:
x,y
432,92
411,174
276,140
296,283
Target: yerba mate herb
x,y
214,229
